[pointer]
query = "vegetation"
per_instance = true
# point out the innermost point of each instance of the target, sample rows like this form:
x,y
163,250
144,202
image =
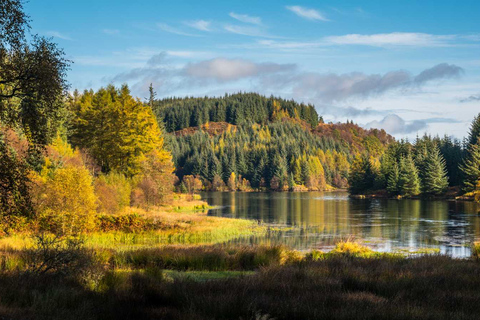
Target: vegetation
x,y
277,147
426,167
233,283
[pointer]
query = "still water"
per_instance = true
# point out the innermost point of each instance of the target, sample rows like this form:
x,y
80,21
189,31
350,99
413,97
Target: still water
x,y
319,219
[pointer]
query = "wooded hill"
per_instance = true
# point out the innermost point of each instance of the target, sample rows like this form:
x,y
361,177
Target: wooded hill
x,y
247,141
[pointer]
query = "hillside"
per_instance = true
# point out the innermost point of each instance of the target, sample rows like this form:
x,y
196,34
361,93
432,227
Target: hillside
x,y
246,141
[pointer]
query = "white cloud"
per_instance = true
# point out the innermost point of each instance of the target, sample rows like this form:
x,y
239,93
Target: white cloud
x,y
392,39
57,34
306,13
248,31
201,25
246,18
165,27
221,69
395,125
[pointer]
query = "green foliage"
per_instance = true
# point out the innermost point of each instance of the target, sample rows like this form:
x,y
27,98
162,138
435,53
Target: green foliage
x,y
474,133
408,180
180,113
362,175
422,168
435,180
471,167
14,182
32,77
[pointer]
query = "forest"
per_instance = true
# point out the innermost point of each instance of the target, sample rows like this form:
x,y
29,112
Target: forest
x,y
249,142
428,167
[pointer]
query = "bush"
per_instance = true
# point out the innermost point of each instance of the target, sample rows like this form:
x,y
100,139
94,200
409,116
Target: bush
x,y
156,180
113,192
66,201
63,256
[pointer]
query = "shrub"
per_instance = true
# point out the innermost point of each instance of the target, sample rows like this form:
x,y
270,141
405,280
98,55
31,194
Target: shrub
x,y
156,180
66,200
113,192
64,256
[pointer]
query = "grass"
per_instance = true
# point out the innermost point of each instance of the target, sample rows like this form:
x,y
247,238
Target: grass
x,y
183,222
350,282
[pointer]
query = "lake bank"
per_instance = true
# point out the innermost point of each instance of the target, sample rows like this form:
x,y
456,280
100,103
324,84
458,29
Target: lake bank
x,y
315,220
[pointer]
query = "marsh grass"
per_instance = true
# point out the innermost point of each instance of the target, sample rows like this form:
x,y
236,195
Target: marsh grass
x,y
336,286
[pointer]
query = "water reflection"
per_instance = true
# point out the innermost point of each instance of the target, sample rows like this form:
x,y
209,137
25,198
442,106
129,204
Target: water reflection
x,y
321,218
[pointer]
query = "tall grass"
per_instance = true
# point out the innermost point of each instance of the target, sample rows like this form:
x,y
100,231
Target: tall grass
x,y
338,286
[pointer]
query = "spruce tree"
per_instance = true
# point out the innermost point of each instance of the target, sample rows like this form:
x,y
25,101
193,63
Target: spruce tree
x,y
474,133
392,182
436,180
362,175
409,184
471,167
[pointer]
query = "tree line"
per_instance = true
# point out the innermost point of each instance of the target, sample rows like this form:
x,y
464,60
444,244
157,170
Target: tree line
x,y
428,166
179,113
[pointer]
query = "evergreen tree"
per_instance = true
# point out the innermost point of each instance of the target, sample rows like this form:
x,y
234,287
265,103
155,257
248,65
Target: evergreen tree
x,y
471,167
436,180
393,180
362,175
408,181
474,133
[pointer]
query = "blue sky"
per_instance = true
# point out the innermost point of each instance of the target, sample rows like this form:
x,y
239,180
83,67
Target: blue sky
x,y
407,66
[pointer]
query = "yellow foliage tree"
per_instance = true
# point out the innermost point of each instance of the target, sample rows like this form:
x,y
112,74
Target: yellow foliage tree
x,y
66,201
232,182
117,129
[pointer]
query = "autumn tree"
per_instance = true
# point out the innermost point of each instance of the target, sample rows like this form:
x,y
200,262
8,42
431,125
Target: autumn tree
x,y
117,129
156,178
67,203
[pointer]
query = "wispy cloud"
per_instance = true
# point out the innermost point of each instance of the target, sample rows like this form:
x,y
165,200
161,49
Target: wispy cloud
x,y
248,31
57,34
246,18
393,39
471,98
221,69
167,28
111,31
201,25
306,13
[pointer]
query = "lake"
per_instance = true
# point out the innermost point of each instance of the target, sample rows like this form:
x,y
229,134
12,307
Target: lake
x,y
319,219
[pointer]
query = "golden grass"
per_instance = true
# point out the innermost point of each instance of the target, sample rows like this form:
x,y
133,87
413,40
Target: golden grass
x,y
183,222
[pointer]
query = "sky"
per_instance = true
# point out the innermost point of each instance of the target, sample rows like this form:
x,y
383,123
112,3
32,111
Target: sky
x,y
409,67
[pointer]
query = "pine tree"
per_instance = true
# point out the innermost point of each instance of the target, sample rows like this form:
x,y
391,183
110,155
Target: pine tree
x,y
408,181
471,167
474,133
393,180
436,180
362,175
